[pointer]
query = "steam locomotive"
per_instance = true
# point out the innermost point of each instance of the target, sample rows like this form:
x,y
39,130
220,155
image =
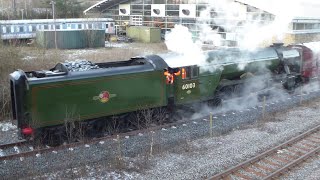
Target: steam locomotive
x,y
43,100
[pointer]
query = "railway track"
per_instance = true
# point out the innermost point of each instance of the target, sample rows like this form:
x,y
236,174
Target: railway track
x,y
11,149
39,155
25,149
278,160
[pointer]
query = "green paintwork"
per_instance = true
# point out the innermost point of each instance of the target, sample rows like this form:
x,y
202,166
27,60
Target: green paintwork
x,y
196,89
208,83
234,62
79,99
71,39
186,90
234,70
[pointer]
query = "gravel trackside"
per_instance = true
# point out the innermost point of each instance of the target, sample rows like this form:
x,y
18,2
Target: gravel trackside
x,y
187,151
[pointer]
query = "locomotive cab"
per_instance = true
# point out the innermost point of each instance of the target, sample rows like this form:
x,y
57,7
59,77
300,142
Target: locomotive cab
x,y
182,79
186,86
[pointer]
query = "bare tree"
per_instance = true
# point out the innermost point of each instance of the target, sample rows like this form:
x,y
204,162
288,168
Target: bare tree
x,y
161,115
146,115
113,126
69,123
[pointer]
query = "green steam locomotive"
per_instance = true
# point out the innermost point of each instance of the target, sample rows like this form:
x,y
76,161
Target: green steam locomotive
x,y
42,101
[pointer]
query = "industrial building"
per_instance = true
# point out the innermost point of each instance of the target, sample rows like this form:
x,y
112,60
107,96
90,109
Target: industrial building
x,y
165,14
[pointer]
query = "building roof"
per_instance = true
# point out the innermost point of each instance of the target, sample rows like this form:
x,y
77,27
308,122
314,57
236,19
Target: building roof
x,y
298,9
104,4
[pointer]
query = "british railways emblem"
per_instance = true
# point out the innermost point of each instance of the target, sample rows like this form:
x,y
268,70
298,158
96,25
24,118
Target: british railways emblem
x,y
104,96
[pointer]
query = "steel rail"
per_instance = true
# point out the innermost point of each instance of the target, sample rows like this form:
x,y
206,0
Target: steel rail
x,y
264,154
293,163
90,141
9,145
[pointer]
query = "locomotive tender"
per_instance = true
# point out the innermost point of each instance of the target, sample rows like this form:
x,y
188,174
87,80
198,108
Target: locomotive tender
x,y
43,100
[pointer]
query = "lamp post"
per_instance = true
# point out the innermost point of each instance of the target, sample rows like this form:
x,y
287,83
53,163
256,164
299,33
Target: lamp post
x,y
54,23
53,11
22,13
14,8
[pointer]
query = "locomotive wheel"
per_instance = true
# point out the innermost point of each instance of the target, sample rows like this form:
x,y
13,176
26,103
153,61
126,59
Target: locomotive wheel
x,y
53,137
38,138
238,89
96,128
226,92
132,121
215,102
161,115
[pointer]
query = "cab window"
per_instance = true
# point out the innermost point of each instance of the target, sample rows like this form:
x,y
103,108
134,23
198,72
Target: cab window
x,y
195,72
189,72
185,73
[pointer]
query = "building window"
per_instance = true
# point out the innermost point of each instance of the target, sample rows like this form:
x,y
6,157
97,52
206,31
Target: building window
x,y
172,13
174,1
172,7
136,7
4,30
306,26
159,2
147,7
298,26
137,1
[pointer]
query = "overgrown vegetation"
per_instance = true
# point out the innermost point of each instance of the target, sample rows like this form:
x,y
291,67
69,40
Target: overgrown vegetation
x,y
9,60
15,57
65,8
43,9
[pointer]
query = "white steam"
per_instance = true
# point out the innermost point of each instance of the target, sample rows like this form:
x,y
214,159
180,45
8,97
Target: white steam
x,y
315,47
220,16
180,41
250,30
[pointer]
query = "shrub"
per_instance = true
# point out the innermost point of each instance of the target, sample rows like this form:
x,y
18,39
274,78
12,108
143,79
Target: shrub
x,y
13,58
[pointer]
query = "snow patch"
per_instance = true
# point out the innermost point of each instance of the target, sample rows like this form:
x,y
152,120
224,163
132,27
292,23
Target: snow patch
x,y
7,126
29,58
116,45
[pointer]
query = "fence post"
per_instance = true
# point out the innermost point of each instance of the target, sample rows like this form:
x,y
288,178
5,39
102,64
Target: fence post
x,y
301,95
211,124
151,145
264,107
119,147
